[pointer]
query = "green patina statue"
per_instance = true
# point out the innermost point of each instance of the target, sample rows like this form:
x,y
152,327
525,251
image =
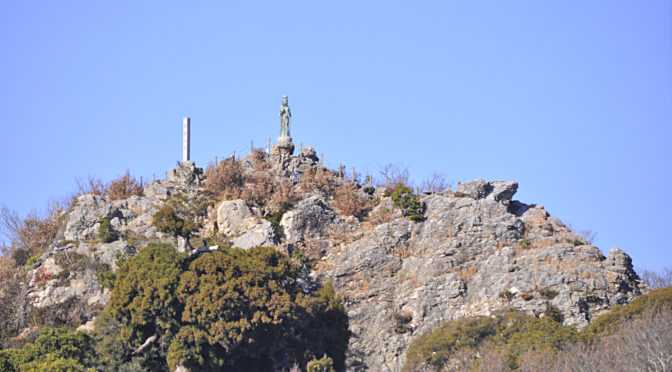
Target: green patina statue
x,y
285,114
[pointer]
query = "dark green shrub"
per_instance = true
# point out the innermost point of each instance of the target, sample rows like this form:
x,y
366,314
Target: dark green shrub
x,y
505,294
106,276
512,332
325,364
33,260
401,322
608,323
168,220
548,293
275,218
409,203
105,231
525,243
227,310
53,350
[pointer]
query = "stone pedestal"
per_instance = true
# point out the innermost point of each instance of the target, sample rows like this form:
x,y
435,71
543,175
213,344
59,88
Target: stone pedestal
x,y
285,145
187,174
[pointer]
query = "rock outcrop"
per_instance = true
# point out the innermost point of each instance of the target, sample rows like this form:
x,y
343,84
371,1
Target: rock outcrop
x,y
477,252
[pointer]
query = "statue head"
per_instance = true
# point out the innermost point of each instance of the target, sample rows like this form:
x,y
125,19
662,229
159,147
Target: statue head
x,y
284,100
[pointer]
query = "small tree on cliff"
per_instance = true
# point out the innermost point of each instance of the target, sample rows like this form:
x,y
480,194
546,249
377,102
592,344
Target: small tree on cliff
x,y
170,221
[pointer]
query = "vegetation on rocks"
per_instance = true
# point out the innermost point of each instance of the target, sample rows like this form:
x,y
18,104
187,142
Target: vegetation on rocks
x,y
410,204
54,350
510,332
105,232
170,220
514,341
231,309
274,307
124,187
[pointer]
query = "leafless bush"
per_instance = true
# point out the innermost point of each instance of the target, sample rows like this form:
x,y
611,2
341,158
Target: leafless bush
x,y
264,190
28,236
260,159
91,185
319,179
392,175
436,182
348,201
124,187
259,190
657,280
12,299
226,179
283,195
588,235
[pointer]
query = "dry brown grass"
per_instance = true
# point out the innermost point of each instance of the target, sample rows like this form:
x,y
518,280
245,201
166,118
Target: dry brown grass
x,y
339,234
586,275
312,249
379,216
348,201
467,272
225,179
123,187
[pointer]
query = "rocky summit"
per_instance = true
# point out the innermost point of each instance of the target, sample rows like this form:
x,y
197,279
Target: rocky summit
x,y
475,251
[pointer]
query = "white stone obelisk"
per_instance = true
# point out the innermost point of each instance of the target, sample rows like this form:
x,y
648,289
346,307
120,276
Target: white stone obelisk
x,y
185,139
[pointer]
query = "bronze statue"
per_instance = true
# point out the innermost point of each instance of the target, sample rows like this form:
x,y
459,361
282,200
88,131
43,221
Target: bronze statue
x,y
285,114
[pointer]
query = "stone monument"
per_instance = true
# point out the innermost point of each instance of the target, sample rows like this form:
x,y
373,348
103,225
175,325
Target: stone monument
x,y
285,141
186,173
186,134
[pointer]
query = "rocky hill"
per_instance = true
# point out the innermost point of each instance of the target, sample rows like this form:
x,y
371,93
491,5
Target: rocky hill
x,y
473,251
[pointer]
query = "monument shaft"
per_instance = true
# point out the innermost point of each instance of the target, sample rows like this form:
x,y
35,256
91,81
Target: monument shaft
x,y
186,134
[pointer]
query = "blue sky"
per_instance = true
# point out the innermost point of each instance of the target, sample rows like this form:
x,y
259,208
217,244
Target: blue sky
x,y
572,99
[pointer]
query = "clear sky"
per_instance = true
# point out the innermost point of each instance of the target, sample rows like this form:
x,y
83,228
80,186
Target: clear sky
x,y
572,99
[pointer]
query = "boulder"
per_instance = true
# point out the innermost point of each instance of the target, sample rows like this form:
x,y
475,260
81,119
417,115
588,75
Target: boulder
x,y
476,189
187,174
502,190
84,219
311,218
618,261
309,152
232,216
259,235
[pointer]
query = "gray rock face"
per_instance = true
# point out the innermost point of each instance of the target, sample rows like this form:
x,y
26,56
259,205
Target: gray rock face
x,y
503,190
479,189
476,189
187,174
310,219
260,234
475,245
83,221
232,216
456,263
132,214
309,152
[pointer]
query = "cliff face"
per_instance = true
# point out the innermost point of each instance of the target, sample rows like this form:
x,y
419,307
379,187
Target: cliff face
x,y
477,252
